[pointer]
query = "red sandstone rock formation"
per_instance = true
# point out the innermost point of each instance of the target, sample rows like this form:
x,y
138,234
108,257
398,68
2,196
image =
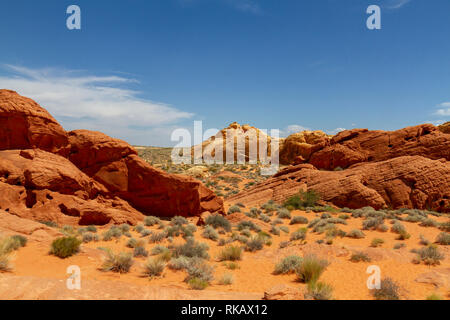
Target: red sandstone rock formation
x,y
361,145
402,182
83,177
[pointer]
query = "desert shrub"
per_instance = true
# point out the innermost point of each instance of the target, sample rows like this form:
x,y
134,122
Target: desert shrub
x,y
89,237
319,291
234,209
300,234
231,253
113,232
298,220
158,249
424,241
403,235
91,228
360,256
333,232
344,216
50,224
399,246
382,228
372,223
158,237
311,268
325,216
197,284
5,263
445,226
284,244
376,242
248,225
154,267
283,213
264,218
65,247
140,252
429,255
210,233
275,230
246,233
68,230
434,296
303,199
191,248
226,279
180,263
178,221
397,227
288,265
124,227
388,290
218,221
151,221
139,228
9,244
356,234
255,243
270,206
285,229
428,223
131,243
277,221
443,238
231,265
199,269
145,232
120,262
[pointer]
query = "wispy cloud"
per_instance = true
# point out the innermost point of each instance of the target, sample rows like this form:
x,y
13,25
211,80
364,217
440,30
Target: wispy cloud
x,y
335,131
92,102
248,6
395,4
293,128
443,109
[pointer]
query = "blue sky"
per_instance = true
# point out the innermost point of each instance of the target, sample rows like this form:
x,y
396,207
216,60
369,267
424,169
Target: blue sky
x,y
138,69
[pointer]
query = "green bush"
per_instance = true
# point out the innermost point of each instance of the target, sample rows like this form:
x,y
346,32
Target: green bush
x,y
248,225
218,221
376,242
180,263
275,230
319,291
311,268
65,247
120,262
434,296
388,290
197,284
303,200
154,267
397,227
360,256
178,221
231,253
91,228
158,237
140,252
288,265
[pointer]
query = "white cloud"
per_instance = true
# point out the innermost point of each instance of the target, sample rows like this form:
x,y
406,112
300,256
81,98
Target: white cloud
x,y
248,6
335,131
444,109
396,4
93,102
293,128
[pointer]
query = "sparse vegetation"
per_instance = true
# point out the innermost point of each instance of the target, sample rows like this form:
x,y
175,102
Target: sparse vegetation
x,y
376,242
218,221
319,291
226,279
303,200
65,247
298,220
429,255
288,265
388,290
360,256
356,234
231,253
443,238
120,262
154,267
311,268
